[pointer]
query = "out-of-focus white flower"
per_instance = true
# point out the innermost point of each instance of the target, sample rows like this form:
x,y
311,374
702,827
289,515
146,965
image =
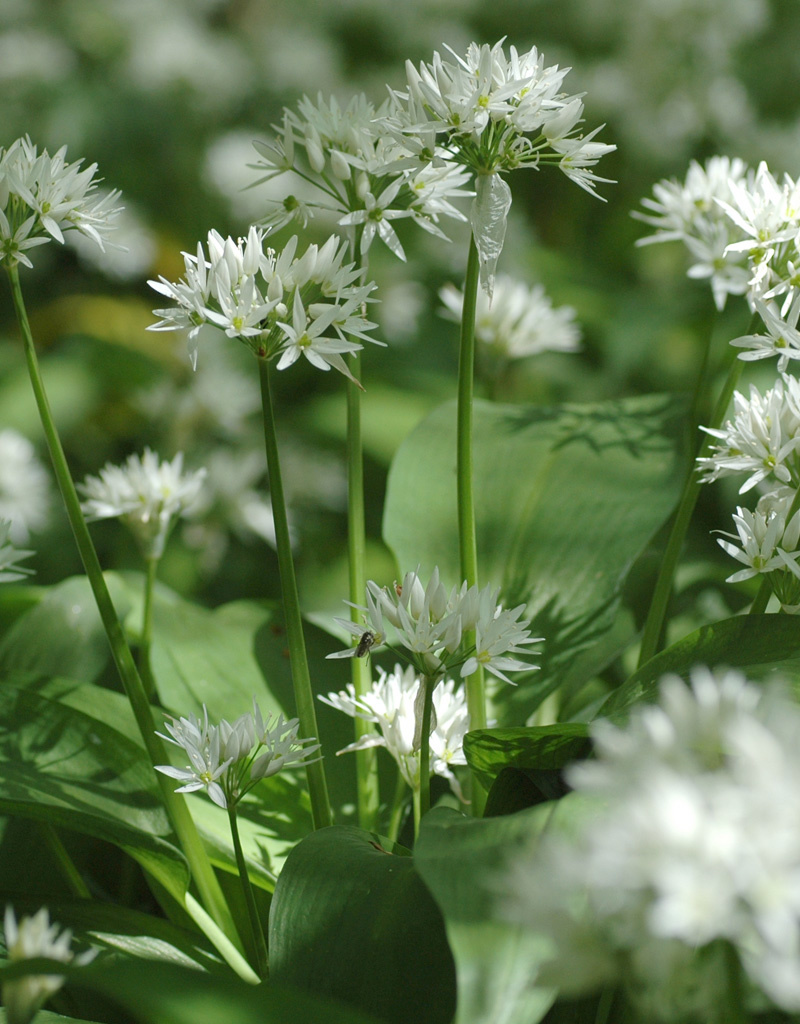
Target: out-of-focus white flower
x,y
10,555
394,705
146,493
247,292
519,321
228,759
762,439
431,624
691,835
25,492
27,939
41,197
693,212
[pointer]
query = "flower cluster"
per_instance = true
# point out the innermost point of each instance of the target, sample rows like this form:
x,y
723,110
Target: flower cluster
x,y
228,759
519,321
762,439
42,196
10,555
25,940
493,113
693,836
393,704
366,176
276,303
431,623
149,495
692,212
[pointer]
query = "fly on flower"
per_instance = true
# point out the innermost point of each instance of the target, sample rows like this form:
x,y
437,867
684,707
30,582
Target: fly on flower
x,y
365,644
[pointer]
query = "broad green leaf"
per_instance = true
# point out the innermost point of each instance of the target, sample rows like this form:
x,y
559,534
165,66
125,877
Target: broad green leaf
x,y
762,646
543,747
46,1017
566,499
62,765
62,633
154,993
123,931
352,921
461,860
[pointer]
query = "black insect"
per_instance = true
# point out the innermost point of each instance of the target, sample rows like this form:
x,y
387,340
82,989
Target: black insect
x,y
366,642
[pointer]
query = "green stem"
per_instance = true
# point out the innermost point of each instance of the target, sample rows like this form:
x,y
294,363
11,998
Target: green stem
x,y
467,539
301,679
145,670
654,624
423,804
366,760
398,803
65,862
176,806
262,960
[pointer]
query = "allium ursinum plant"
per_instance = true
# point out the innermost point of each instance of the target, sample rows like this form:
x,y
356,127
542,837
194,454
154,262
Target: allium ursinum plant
x,y
692,212
10,555
493,113
278,304
518,322
438,633
227,761
42,196
681,871
29,938
394,704
363,174
148,494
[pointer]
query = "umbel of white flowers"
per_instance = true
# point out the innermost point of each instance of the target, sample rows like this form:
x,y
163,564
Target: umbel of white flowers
x,y
494,113
42,196
146,493
393,705
228,759
688,833
430,624
278,304
29,938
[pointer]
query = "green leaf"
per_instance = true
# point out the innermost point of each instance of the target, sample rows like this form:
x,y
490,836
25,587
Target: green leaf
x,y
543,747
353,921
123,931
62,634
762,646
566,499
461,859
46,1017
155,993
62,765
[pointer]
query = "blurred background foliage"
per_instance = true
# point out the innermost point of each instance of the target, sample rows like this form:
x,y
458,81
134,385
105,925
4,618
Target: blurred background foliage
x,y
167,96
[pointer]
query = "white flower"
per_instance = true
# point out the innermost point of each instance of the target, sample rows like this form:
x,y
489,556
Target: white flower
x,y
431,623
519,321
393,704
228,759
10,555
27,939
375,218
146,493
25,493
41,196
693,212
692,834
762,439
247,292
782,338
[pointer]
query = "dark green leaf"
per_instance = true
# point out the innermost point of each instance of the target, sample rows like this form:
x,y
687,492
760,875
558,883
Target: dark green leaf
x,y
566,499
543,747
461,860
762,646
355,922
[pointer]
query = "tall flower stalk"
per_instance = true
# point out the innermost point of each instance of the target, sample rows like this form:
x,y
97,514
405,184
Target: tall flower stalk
x,y
180,817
